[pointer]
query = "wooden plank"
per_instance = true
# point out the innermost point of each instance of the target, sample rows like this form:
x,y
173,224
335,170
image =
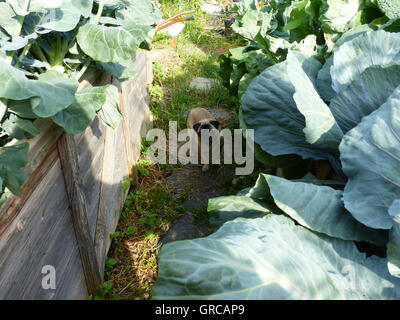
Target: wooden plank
x,y
78,204
112,195
138,112
126,125
136,115
92,185
70,282
8,216
139,61
32,233
38,150
106,180
149,68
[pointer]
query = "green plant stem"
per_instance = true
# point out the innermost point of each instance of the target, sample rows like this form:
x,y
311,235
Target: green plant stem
x,y
266,49
390,22
83,70
272,57
58,49
38,53
23,54
99,11
62,47
10,56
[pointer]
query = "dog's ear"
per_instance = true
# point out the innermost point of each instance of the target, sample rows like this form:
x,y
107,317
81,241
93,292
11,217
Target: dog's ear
x,y
215,124
196,127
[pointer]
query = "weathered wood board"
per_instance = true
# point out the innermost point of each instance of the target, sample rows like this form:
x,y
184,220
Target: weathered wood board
x,y
37,229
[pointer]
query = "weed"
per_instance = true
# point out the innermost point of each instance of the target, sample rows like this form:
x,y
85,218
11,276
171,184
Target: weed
x,y
131,230
115,237
110,263
105,291
156,93
126,183
150,219
141,166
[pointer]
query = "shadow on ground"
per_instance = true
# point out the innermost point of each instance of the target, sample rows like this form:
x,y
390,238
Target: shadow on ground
x,y
198,187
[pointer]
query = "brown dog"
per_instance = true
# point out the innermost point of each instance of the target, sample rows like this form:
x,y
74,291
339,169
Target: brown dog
x,y
201,119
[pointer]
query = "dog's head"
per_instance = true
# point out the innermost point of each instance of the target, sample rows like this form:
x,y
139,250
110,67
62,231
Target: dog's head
x,y
211,126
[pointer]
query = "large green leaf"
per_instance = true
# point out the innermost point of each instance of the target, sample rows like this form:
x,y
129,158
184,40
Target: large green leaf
x,y
244,84
223,209
370,155
84,6
300,19
336,14
65,18
365,95
320,209
391,8
8,20
269,109
284,161
139,32
15,85
324,83
107,44
81,113
16,43
110,113
19,128
55,92
12,160
269,258
373,48
23,7
23,108
122,71
321,129
139,12
252,23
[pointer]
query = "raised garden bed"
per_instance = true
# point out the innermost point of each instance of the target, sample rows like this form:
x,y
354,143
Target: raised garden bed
x,y
72,198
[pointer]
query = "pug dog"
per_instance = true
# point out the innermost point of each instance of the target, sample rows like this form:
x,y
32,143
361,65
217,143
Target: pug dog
x,y
201,119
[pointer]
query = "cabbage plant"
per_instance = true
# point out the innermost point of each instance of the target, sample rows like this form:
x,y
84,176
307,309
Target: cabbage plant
x,y
309,238
311,26
45,48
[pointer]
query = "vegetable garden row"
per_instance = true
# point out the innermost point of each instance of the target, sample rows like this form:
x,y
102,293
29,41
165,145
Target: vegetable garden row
x,y
319,83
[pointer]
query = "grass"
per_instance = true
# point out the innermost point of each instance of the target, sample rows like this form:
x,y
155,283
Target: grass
x,y
148,213
151,209
195,54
